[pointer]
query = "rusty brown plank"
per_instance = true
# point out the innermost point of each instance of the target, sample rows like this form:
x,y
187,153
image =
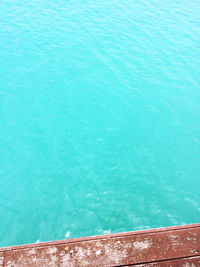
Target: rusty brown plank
x,y
183,262
130,248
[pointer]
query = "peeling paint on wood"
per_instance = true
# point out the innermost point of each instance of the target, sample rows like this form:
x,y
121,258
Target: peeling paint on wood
x,y
172,246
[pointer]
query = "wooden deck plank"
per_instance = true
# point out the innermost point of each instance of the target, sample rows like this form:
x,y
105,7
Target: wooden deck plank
x,y
184,262
167,245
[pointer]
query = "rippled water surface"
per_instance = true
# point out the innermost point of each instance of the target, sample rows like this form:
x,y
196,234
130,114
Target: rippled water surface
x,y
99,117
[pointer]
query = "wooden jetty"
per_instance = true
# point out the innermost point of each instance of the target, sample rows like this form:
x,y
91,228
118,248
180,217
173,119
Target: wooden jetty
x,y
177,246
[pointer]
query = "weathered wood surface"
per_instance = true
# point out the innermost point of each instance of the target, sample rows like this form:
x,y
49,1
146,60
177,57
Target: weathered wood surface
x,y
172,246
183,262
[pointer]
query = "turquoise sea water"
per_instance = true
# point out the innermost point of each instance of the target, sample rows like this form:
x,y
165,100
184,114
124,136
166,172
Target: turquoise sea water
x,y
99,117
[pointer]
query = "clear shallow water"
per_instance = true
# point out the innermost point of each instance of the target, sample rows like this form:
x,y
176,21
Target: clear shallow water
x,y
99,117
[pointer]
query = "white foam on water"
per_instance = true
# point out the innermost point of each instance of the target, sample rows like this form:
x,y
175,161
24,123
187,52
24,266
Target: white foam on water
x,y
68,233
